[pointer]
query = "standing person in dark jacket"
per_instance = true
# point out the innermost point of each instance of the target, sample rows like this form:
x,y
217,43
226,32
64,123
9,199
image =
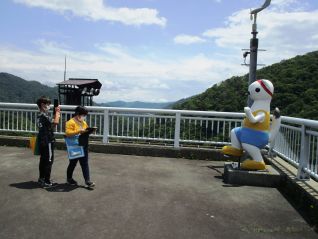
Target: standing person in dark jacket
x,y
46,140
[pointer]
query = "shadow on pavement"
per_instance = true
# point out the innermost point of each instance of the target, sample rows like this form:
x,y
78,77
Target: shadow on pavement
x,y
26,185
218,169
231,185
63,187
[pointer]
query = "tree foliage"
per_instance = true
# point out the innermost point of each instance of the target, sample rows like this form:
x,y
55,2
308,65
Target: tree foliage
x,y
295,82
17,90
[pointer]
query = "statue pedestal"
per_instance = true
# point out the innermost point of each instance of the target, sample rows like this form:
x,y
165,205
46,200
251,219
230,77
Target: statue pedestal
x,y
262,178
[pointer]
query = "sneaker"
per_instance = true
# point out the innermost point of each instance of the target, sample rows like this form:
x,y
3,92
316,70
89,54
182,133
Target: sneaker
x,y
71,181
47,184
90,184
41,181
53,182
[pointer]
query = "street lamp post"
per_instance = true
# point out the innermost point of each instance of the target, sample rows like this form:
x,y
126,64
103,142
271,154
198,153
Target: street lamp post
x,y
254,47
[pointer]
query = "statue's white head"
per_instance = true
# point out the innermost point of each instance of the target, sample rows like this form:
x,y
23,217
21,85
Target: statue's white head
x,y
261,90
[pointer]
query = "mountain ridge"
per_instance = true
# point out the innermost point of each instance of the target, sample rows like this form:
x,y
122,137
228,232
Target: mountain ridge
x,y
14,89
296,89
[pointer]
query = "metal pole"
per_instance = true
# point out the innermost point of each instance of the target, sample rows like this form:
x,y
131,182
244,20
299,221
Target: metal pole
x,y
304,156
106,127
65,69
177,130
253,58
254,48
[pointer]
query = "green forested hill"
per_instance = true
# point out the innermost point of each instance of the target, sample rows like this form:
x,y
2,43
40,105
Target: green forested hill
x,y
295,82
17,90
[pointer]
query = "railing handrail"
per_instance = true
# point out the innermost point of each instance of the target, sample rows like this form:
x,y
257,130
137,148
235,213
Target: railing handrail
x,y
301,121
138,110
288,119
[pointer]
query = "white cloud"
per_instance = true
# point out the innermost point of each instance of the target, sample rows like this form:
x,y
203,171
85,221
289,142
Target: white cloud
x,y
123,74
134,76
283,34
96,10
283,3
188,39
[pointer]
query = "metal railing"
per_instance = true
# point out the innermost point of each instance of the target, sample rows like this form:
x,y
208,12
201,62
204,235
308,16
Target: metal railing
x,y
297,141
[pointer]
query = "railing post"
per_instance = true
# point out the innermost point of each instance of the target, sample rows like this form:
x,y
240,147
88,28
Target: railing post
x,y
303,161
177,130
271,153
106,126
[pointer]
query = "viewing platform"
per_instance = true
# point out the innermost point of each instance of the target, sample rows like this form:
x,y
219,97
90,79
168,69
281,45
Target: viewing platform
x,y
147,186
139,197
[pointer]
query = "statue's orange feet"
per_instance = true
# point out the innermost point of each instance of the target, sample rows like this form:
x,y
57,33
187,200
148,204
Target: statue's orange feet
x,y
249,164
229,150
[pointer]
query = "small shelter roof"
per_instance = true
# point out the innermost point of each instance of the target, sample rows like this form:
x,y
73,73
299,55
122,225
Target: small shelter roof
x,y
81,82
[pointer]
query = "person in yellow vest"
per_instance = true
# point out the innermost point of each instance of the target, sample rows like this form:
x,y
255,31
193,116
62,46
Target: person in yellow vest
x,y
78,126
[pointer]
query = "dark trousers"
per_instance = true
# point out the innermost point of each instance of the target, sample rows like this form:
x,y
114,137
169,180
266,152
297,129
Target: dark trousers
x,y
84,165
46,161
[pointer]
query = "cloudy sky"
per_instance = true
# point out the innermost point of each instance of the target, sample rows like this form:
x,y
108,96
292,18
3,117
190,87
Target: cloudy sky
x,y
148,50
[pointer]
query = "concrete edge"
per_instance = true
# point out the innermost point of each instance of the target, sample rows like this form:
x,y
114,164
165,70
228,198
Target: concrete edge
x,y
302,195
131,149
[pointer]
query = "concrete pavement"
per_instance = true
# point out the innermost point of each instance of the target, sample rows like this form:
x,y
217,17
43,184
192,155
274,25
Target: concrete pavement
x,y
138,197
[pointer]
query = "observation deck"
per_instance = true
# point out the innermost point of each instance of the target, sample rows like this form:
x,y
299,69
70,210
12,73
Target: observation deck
x,y
142,195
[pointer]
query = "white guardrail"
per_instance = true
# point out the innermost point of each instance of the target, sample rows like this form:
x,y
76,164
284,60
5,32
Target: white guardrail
x,y
297,141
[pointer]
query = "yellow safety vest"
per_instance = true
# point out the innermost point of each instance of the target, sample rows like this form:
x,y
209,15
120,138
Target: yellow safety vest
x,y
73,127
262,126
